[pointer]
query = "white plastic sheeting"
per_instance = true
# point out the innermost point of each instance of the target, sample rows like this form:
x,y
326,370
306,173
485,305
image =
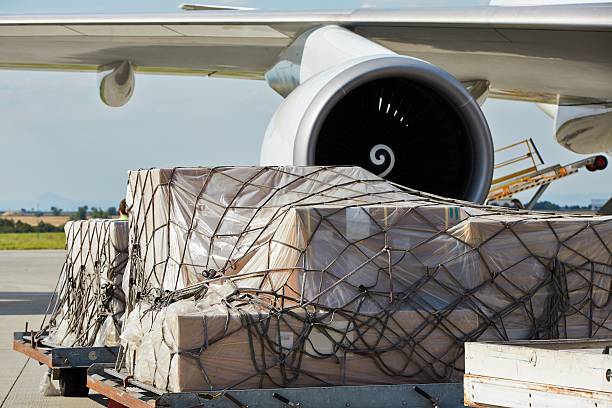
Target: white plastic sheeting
x,y
300,276
90,301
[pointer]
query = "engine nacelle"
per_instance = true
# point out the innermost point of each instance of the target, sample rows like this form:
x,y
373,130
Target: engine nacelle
x,y
116,83
584,128
399,117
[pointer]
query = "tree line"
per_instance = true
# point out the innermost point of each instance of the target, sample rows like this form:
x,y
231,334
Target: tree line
x,y
548,206
82,213
8,225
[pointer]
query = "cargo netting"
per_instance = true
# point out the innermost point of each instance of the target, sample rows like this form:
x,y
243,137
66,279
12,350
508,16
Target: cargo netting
x,y
88,302
247,277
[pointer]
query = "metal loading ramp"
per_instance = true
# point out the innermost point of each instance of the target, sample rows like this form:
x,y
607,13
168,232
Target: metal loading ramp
x,y
520,168
539,373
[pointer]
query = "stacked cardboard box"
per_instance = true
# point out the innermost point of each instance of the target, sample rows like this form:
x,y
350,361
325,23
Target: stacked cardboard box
x,y
325,276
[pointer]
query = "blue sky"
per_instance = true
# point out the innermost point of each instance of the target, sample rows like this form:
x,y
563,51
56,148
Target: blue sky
x,y
59,138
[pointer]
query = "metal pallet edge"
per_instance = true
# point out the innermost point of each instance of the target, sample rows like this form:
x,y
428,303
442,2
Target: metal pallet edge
x,y
122,389
62,357
112,388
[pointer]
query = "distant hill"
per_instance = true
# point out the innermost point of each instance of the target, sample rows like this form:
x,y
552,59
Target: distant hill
x,y
47,200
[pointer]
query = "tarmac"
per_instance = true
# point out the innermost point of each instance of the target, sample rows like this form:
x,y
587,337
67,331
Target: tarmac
x,y
27,280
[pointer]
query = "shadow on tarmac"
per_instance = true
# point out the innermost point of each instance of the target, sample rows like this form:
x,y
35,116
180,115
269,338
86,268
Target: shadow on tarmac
x,y
24,303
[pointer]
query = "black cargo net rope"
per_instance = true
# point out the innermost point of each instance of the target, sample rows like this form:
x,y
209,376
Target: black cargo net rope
x,y
379,300
89,286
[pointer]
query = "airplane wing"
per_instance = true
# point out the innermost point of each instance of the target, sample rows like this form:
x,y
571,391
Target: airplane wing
x,y
530,53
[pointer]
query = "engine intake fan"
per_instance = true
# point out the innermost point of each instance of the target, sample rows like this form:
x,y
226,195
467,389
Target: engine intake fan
x,y
398,117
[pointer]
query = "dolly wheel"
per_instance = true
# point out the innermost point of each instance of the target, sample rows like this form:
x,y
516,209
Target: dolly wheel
x,y
73,382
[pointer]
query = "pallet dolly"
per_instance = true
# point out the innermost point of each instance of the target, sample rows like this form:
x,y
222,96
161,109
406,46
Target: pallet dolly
x,y
68,364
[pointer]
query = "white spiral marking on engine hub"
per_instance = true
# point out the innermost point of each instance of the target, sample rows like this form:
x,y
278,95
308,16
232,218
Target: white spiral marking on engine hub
x,y
378,158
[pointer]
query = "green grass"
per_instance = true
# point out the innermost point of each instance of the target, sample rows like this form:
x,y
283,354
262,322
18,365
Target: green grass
x,y
33,240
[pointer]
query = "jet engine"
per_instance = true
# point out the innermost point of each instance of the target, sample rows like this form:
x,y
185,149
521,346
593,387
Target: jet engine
x,y
399,117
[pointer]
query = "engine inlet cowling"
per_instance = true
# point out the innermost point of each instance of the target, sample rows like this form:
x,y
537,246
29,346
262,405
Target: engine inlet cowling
x,y
398,117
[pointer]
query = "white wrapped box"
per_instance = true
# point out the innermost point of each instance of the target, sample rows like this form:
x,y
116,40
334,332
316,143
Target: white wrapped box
x,y
90,301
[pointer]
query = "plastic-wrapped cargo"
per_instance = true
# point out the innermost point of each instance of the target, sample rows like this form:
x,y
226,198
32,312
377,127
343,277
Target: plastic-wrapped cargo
x,y
90,301
302,276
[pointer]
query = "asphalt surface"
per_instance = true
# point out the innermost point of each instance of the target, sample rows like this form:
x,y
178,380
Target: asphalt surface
x,y
27,280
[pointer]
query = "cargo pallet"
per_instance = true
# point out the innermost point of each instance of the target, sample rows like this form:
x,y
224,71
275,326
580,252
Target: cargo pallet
x,y
68,364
